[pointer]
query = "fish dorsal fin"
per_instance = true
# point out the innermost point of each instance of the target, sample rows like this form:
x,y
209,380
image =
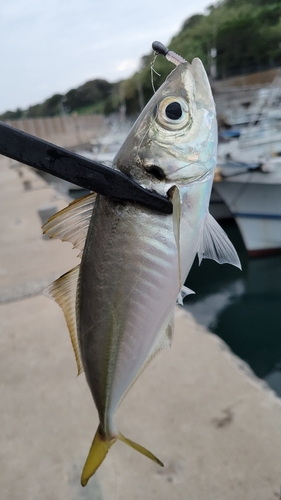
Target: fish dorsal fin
x,y
71,223
183,293
63,291
215,244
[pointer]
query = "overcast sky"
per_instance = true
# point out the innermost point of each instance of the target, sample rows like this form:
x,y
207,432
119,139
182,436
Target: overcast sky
x,y
51,46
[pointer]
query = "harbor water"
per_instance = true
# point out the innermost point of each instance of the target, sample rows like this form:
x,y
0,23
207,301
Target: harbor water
x,y
242,307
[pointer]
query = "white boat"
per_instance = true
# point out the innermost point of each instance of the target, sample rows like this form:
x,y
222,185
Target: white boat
x,y
250,184
266,105
253,195
262,140
217,208
105,148
256,143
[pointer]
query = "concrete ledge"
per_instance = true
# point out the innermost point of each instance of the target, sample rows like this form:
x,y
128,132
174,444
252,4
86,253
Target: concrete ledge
x,y
217,430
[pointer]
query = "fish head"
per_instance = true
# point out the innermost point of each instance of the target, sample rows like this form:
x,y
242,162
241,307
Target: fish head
x,y
174,140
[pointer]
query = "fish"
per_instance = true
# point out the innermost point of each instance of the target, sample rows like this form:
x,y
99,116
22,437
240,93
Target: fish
x,y
119,301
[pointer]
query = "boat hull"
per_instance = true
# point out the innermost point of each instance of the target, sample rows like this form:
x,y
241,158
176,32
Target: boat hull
x,y
217,208
254,199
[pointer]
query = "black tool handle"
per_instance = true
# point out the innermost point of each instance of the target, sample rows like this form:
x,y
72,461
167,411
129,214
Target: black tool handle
x,y
77,169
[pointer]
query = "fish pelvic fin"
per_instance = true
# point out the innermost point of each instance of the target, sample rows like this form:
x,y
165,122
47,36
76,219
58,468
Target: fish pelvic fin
x,y
100,448
183,293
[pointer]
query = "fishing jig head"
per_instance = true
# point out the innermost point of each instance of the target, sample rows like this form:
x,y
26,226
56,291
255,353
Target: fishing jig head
x,y
159,48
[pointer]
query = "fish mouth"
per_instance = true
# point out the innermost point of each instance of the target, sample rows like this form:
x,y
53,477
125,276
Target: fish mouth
x,y
156,172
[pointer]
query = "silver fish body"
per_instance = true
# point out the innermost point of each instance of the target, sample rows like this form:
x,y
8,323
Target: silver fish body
x,y
135,261
128,251
127,300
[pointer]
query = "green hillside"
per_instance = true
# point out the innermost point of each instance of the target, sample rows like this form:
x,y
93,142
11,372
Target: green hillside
x,y
245,33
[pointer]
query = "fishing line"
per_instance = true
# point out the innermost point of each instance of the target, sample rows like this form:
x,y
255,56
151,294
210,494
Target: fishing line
x,y
153,70
171,56
144,135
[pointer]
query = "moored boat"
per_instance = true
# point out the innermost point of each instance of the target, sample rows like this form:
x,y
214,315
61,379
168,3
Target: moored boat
x,y
253,195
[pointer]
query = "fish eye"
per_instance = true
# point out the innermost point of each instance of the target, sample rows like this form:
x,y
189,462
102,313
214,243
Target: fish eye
x,y
173,113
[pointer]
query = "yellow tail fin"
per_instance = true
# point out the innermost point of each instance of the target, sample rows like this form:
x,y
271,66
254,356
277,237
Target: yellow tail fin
x,y
99,449
96,456
140,448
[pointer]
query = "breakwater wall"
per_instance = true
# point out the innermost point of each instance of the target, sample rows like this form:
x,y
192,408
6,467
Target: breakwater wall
x,y
66,131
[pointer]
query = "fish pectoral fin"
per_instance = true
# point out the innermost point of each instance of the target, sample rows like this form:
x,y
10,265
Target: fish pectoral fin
x,y
140,449
183,293
96,455
215,244
63,291
71,224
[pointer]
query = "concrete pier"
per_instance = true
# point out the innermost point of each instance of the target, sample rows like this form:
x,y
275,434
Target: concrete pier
x,y
66,131
215,426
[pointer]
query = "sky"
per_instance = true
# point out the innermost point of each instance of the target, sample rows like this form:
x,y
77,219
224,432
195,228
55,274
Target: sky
x,y
52,46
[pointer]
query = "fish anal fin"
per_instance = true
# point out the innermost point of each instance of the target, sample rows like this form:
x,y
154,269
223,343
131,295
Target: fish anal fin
x,y
63,291
140,449
215,244
71,224
96,455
